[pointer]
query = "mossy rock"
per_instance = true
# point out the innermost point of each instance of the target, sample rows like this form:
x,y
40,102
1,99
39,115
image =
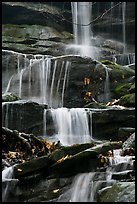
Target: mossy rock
x,y
8,97
122,89
111,64
127,100
69,150
118,192
132,88
95,105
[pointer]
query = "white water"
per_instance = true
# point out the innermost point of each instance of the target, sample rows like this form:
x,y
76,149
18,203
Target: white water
x,y
5,114
118,159
124,25
107,95
82,188
72,125
82,28
38,81
9,182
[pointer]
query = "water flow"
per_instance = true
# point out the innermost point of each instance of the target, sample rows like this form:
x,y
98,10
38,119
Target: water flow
x,y
86,185
82,17
72,125
82,189
124,25
106,86
117,159
8,182
38,81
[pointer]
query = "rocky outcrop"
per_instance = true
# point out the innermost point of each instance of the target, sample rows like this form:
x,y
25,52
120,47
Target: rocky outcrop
x,y
34,39
86,76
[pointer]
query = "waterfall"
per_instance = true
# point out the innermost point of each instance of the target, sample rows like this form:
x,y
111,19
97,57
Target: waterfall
x,y
82,188
38,80
72,125
82,17
106,86
118,159
8,182
124,25
106,96
5,114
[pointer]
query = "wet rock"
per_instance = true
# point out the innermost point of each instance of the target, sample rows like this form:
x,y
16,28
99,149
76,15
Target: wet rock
x,y
127,100
130,142
124,175
90,159
106,123
118,192
70,150
21,115
34,39
31,167
32,13
125,132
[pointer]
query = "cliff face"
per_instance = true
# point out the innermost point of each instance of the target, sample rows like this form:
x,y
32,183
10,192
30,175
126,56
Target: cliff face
x,y
57,15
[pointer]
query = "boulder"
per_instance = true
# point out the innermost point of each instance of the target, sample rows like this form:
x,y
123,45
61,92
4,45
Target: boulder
x,y
21,115
118,192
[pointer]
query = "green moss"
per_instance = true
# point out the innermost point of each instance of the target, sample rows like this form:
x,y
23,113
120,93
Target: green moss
x,y
111,64
122,89
8,97
109,194
128,100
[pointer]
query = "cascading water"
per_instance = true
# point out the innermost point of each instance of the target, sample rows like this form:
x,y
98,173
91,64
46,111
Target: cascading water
x,y
82,17
47,78
8,182
38,81
107,95
72,125
82,188
124,25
